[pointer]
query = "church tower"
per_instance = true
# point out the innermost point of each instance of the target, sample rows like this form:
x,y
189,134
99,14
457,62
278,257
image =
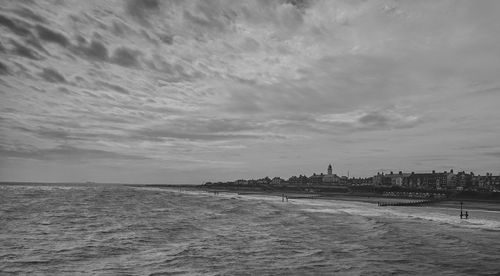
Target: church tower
x,y
330,169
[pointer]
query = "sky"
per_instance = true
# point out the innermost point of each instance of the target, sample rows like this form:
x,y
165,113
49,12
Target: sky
x,y
151,91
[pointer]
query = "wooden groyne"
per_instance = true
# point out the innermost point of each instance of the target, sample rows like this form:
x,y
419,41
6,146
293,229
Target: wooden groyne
x,y
418,203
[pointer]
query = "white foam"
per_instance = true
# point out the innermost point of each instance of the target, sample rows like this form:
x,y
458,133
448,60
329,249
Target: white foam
x,y
331,206
483,219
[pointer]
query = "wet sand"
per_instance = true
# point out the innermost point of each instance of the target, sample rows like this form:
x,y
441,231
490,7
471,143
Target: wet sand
x,y
449,203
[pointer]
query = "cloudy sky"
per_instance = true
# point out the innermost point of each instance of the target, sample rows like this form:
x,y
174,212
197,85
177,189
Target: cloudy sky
x,y
151,91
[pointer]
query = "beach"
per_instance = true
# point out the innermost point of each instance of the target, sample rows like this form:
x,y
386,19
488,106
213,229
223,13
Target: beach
x,y
491,205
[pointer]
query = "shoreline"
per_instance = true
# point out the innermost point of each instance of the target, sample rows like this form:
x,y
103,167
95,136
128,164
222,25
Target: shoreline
x,y
373,198
451,203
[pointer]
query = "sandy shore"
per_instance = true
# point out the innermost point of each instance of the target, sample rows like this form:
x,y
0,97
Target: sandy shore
x,y
451,203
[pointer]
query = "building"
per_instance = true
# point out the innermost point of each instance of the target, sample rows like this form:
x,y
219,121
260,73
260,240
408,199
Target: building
x,y
277,181
301,180
488,183
400,179
264,181
241,182
330,177
426,181
431,181
464,181
315,179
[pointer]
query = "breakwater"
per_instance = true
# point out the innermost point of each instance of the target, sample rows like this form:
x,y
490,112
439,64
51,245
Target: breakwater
x,y
418,203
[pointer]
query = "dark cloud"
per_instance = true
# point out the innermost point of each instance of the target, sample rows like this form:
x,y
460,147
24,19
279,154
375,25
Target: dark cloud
x,y
23,51
65,131
81,40
157,134
53,134
118,28
126,57
488,91
205,16
14,26
35,42
172,72
300,4
168,39
494,154
389,119
96,50
115,87
201,129
51,36
4,70
29,14
212,22
140,8
65,153
374,119
223,125
52,75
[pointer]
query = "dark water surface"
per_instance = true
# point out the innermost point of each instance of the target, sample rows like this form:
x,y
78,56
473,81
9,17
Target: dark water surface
x,y
119,230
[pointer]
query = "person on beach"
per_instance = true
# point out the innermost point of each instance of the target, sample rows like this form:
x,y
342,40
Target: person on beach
x,y
466,215
461,215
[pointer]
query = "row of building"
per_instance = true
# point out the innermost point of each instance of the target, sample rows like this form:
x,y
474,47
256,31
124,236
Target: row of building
x,y
438,181
460,181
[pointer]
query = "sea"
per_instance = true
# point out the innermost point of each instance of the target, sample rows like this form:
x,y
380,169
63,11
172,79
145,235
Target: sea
x,y
68,229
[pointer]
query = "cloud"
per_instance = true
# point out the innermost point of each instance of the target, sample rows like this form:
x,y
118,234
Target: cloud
x,y
126,57
494,154
51,36
68,153
115,87
96,50
24,51
208,129
29,14
371,120
140,8
374,119
158,135
246,81
388,119
118,28
4,70
210,22
15,26
300,4
53,133
51,75
168,39
172,72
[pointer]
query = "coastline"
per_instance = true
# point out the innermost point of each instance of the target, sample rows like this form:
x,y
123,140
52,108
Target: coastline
x,y
451,203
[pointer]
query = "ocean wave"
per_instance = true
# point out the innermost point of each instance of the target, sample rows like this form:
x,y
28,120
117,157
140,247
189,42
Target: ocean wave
x,y
154,231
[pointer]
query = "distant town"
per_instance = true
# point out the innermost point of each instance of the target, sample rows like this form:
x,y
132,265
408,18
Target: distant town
x,y
444,182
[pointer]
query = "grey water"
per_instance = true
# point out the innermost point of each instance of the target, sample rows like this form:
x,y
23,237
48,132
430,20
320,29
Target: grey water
x,y
122,230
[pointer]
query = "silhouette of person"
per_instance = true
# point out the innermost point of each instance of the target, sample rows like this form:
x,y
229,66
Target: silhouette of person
x,y
466,215
461,215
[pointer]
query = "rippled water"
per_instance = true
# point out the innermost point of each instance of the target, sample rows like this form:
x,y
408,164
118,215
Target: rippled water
x,y
119,230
